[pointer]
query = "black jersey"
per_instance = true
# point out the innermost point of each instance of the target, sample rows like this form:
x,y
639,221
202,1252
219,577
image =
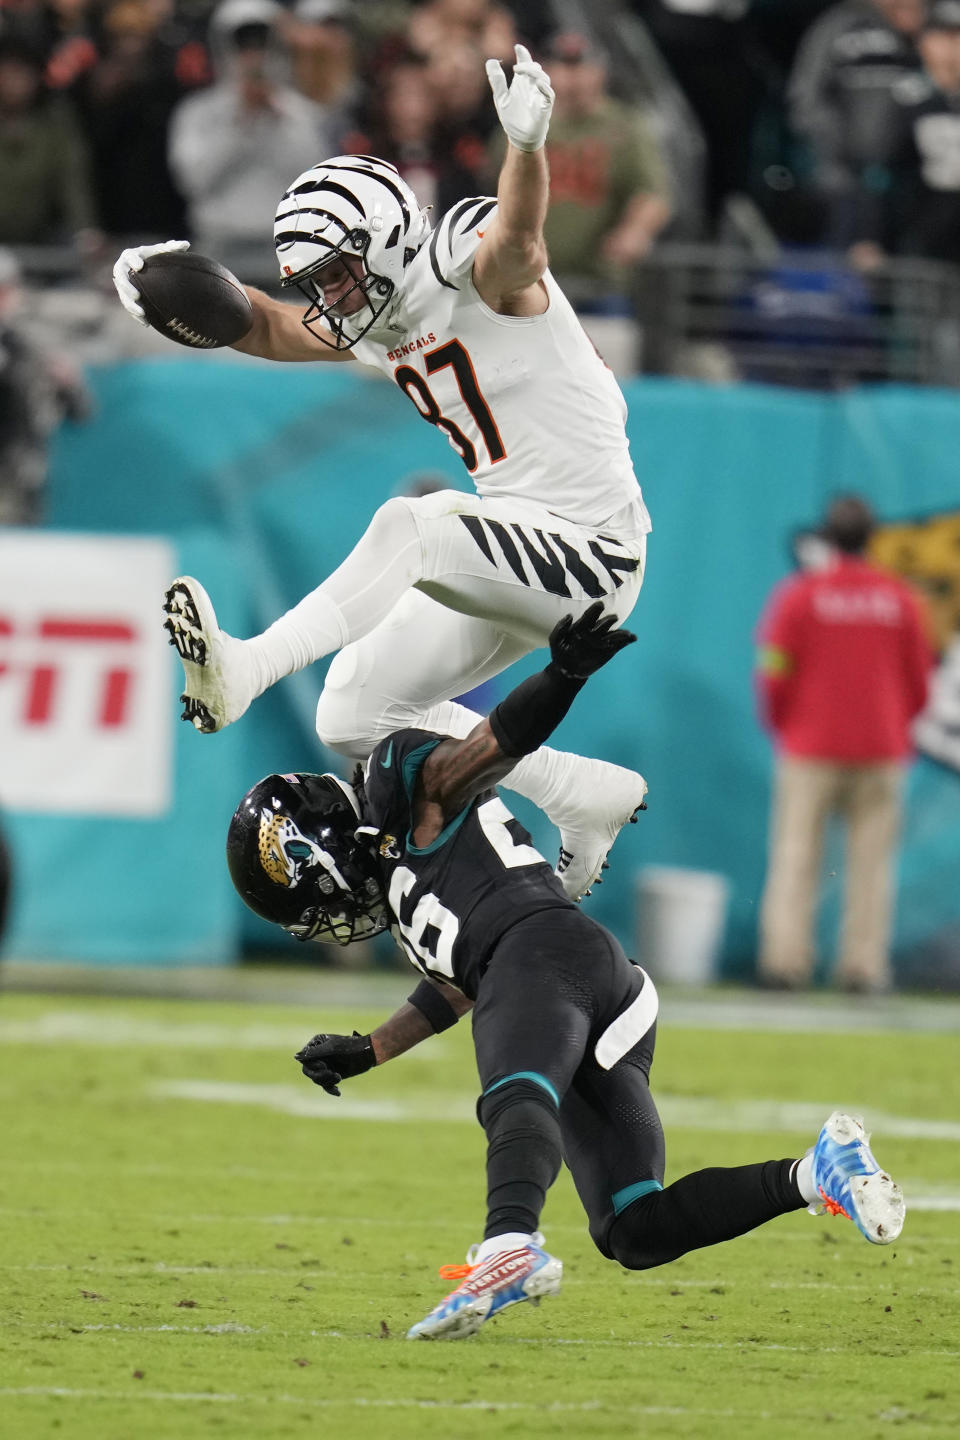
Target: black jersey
x,y
926,199
451,901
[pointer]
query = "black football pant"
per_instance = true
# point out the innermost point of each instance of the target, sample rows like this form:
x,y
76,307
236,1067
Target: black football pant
x,y
555,986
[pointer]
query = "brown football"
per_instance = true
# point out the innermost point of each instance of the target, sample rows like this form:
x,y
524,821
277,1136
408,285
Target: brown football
x,y
193,300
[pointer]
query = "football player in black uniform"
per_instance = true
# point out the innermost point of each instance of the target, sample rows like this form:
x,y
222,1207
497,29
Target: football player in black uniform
x,y
564,1025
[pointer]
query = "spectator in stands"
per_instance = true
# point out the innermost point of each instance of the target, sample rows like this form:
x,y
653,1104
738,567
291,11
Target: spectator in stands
x,y
70,43
924,216
126,101
45,194
842,105
38,390
463,100
234,146
407,130
609,191
320,34
439,167
716,56
439,25
844,665
780,25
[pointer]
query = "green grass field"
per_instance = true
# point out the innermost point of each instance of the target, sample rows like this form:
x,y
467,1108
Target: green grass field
x,y
196,1242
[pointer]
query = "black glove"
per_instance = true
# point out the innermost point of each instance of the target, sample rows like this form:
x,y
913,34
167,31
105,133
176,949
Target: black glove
x,y
328,1059
578,648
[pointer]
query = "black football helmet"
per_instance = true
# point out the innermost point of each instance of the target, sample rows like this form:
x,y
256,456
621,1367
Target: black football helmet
x,y
295,859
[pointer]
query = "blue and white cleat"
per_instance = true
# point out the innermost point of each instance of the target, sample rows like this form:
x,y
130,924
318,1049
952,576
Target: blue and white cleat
x,y
849,1181
524,1273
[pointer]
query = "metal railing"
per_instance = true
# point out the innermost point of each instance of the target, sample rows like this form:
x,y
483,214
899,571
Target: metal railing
x,y
801,319
797,318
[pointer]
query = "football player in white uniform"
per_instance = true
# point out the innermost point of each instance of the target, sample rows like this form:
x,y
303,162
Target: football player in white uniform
x,y
470,323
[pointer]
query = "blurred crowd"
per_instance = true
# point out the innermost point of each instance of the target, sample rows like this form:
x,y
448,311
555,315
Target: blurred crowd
x,y
832,123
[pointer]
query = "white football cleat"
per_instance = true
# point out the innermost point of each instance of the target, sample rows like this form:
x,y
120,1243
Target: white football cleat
x,y
612,798
218,673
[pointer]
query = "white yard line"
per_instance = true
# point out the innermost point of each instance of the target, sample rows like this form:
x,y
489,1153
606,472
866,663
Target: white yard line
x,y
108,1029
678,1112
363,1402
887,1285
545,1342
113,1026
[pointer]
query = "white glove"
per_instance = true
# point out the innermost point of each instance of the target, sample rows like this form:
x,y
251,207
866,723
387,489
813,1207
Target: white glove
x,y
526,106
128,263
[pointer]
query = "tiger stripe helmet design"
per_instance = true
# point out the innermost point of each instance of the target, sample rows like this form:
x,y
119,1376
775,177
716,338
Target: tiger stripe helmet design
x,y
358,209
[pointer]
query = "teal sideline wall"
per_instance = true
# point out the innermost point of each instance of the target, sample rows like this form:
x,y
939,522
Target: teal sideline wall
x,y
264,476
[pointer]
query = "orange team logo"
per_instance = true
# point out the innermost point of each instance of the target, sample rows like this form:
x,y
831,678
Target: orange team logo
x,y
927,553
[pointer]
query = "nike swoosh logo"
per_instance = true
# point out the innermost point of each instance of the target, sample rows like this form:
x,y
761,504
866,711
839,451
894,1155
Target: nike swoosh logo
x,y
387,760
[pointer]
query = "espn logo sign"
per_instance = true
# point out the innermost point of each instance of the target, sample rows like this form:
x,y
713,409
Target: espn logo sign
x,y
86,693
42,678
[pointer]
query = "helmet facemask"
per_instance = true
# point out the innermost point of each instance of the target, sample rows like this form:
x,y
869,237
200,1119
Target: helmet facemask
x,y
325,318
357,213
346,919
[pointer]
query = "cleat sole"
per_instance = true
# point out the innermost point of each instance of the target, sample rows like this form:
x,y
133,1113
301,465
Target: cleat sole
x,y
184,626
464,1322
199,716
880,1206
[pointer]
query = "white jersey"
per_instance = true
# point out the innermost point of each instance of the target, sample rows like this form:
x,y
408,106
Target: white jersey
x,y
526,402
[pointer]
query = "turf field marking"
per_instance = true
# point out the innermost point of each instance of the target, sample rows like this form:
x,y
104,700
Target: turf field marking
x,y
718,1011
883,1285
917,1203
131,1032
678,1112
298,1101
546,1341
363,1402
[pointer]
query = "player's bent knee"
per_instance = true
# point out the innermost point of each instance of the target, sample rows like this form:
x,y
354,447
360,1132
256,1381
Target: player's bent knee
x,y
349,716
643,1237
524,1099
393,521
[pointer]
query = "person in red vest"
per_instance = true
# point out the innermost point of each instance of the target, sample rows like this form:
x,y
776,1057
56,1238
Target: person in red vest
x,y
844,664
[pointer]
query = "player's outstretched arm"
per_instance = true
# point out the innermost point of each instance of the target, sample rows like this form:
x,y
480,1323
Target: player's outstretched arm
x,y
458,770
277,332
513,255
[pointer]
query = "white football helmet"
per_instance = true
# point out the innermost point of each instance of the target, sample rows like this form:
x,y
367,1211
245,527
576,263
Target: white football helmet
x,y
352,208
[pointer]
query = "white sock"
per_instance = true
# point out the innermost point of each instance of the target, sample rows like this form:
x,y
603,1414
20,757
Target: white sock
x,y
309,631
514,1240
803,1174
552,779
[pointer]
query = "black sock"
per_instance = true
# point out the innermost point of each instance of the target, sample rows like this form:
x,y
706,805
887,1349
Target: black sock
x,y
523,1155
702,1209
